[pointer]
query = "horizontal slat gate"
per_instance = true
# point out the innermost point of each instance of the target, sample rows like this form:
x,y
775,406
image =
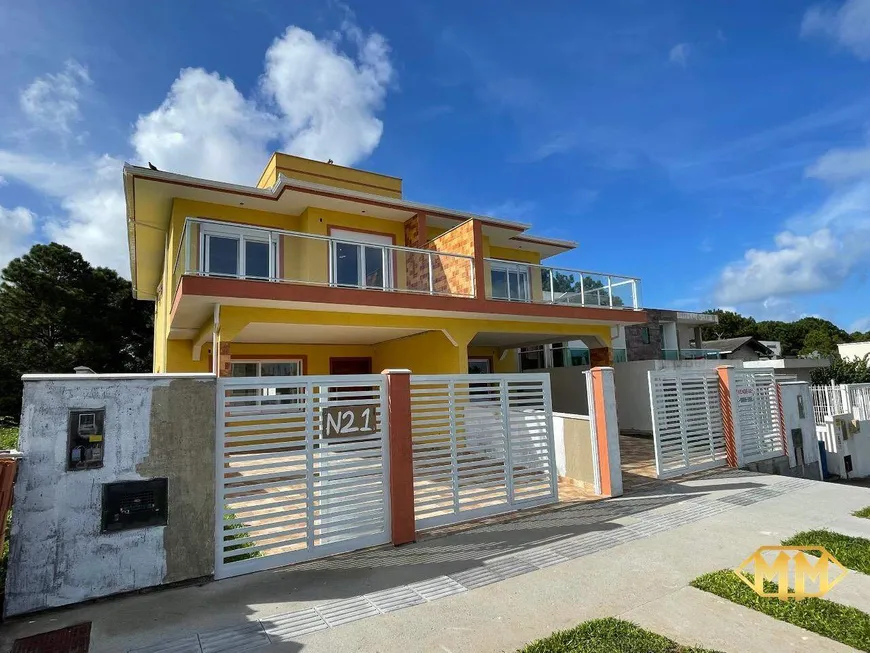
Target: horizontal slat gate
x,y
482,444
759,422
285,492
687,421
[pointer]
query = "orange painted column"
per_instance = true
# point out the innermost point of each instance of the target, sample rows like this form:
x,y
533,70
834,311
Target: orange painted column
x,y
727,407
603,409
782,434
403,524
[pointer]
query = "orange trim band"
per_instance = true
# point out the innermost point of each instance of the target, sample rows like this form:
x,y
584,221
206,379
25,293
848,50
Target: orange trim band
x,y
265,290
727,410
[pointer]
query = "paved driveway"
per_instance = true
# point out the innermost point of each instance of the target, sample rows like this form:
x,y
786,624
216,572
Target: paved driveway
x,y
500,585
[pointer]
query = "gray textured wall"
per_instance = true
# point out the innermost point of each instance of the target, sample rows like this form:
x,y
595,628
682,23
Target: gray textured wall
x,y
155,426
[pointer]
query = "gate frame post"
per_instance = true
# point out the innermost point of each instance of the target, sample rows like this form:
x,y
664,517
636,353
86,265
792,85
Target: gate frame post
x,y
606,430
403,525
730,421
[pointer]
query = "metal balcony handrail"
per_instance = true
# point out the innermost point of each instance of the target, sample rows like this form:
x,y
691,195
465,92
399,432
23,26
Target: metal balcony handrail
x,y
183,254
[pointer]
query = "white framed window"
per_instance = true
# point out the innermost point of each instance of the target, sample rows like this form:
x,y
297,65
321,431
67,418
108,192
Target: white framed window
x,y
362,261
509,281
266,368
237,252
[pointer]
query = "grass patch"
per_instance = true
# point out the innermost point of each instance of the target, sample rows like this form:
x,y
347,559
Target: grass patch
x,y
852,552
243,555
608,636
8,437
838,622
864,512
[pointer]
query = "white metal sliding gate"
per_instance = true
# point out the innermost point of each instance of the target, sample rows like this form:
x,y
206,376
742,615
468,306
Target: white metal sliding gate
x,y
758,427
302,469
482,444
687,421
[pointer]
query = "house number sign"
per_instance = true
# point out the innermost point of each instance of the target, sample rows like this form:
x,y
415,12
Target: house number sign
x,y
343,421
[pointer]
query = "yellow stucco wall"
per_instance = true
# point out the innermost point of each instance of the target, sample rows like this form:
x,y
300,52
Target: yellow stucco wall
x,y
506,365
320,172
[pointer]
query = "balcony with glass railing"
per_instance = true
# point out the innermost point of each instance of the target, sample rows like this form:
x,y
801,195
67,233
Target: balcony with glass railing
x,y
233,251
525,282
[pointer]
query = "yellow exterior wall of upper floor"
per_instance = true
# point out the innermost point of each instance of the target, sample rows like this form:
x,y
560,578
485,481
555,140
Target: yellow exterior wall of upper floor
x,y
328,174
301,259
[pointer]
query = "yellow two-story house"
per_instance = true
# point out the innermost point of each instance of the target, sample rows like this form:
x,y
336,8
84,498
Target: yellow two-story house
x,y
322,269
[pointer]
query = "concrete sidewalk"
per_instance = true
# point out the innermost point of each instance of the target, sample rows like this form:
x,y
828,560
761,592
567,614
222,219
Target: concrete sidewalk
x,y
499,586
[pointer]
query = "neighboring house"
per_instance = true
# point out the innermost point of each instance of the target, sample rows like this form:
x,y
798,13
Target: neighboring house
x,y
666,335
773,345
322,269
745,348
854,349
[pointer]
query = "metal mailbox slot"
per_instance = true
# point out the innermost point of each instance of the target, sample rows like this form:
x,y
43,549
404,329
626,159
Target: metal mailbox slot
x,y
134,504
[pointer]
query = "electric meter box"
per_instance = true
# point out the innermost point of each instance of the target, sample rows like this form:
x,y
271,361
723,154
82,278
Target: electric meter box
x,y
85,439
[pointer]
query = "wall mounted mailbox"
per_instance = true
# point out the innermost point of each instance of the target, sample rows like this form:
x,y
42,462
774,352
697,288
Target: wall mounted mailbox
x,y
134,504
85,439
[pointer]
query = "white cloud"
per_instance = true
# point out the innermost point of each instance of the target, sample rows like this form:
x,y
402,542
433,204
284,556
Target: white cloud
x,y
17,226
848,25
316,101
520,211
861,324
842,164
796,264
679,54
206,128
817,250
89,192
313,99
51,102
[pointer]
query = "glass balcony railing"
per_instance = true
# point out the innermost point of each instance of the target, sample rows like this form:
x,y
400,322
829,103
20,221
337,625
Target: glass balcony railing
x,y
690,354
228,250
525,282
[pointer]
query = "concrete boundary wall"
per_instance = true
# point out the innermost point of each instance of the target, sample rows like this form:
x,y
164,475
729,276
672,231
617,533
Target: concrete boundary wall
x,y
632,389
156,426
575,450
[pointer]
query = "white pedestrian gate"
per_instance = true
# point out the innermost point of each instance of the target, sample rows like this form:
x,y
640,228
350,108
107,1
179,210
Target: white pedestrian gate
x,y
482,444
302,469
758,423
687,421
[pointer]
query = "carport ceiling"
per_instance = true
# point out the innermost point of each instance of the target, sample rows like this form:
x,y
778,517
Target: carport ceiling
x,y
318,334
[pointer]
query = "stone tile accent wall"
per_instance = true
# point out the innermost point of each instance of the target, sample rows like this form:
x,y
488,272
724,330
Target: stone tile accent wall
x,y
416,265
452,275
635,348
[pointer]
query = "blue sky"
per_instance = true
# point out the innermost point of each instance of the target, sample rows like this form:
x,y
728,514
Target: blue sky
x,y
718,150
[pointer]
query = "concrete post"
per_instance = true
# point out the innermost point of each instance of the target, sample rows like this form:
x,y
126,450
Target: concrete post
x,y
403,524
730,423
602,409
800,428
